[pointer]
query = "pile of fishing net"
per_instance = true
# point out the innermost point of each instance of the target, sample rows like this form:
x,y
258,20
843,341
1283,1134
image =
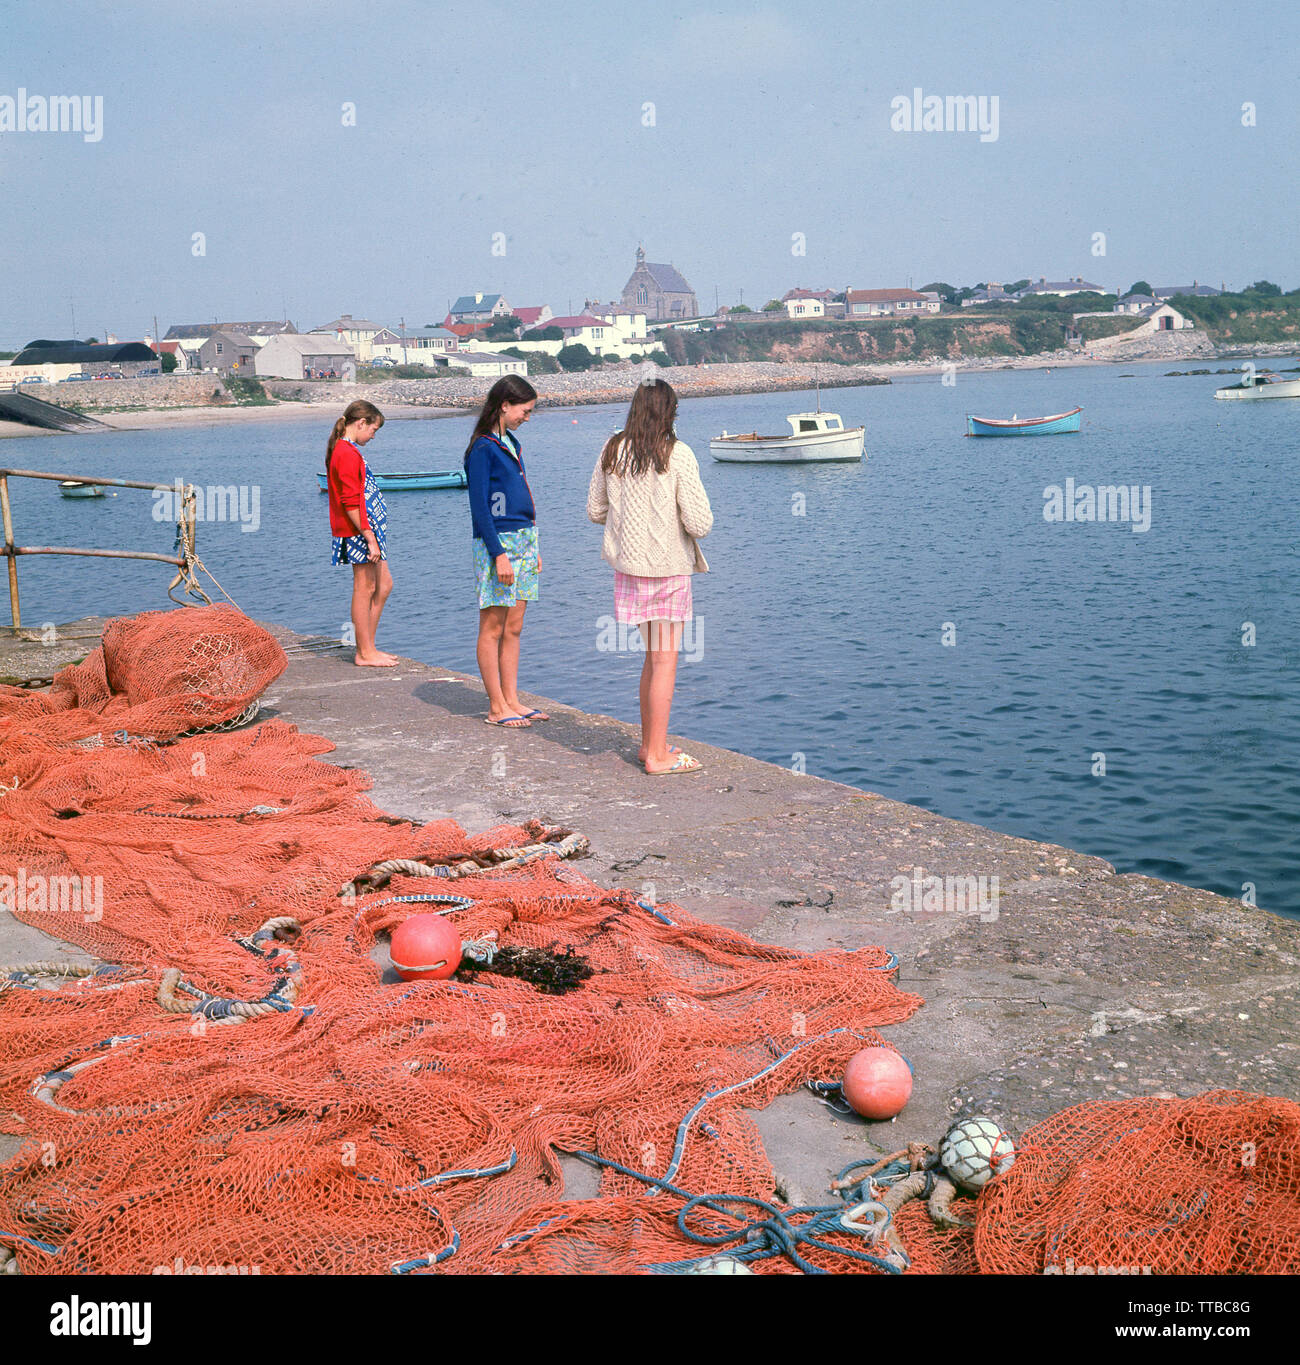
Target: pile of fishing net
x,y
243,1086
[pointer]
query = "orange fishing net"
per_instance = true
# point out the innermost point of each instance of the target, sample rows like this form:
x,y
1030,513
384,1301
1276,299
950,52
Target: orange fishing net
x,y
242,1088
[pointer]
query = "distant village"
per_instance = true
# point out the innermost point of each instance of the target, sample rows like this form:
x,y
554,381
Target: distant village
x,y
486,335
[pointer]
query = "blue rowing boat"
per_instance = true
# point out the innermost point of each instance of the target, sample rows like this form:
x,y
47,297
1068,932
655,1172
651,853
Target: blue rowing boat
x,y
1024,426
397,483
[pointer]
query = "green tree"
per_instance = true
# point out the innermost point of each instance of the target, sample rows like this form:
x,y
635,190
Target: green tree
x,y
1140,287
944,291
1019,284
575,356
503,328
546,334
167,362
1265,287
742,308
773,306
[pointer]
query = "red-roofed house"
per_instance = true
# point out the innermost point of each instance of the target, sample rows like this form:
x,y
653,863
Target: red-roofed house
x,y
464,330
534,317
584,330
880,303
172,348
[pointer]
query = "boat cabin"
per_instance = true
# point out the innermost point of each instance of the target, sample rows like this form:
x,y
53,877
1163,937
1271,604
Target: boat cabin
x,y
809,423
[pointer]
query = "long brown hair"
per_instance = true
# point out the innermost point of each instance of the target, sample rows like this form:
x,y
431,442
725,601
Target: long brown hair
x,y
510,388
355,411
646,442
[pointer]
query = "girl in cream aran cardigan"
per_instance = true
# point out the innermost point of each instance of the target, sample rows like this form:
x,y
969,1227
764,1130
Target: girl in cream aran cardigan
x,y
647,493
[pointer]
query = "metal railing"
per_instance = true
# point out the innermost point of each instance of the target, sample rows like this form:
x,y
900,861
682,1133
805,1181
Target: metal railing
x,y
185,560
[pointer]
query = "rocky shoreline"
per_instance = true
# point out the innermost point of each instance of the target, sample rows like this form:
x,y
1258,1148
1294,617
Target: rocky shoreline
x,y
173,399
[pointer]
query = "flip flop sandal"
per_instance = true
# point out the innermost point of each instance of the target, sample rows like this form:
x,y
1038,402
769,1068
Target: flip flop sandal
x,y
684,764
535,715
505,720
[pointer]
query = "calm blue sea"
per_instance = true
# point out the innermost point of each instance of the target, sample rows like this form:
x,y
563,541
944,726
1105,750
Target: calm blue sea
x,y
822,625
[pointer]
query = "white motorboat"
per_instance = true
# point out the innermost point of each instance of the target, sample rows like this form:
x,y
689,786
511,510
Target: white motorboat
x,y
1264,384
812,436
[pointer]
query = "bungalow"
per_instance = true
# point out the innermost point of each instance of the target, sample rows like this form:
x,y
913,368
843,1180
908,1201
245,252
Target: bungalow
x,y
1198,291
311,355
414,345
1133,303
1061,288
879,303
357,332
487,364
479,308
173,348
992,293
227,353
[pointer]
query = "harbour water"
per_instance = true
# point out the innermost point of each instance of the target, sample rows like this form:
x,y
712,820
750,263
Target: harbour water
x,y
912,625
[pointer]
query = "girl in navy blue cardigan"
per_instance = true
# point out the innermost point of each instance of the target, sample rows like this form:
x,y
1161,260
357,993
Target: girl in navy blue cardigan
x,y
507,561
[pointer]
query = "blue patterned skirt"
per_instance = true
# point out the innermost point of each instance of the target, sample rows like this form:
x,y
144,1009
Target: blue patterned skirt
x,y
353,549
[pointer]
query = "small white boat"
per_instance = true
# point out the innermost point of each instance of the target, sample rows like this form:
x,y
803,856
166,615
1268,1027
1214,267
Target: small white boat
x,y
812,436
70,488
1265,384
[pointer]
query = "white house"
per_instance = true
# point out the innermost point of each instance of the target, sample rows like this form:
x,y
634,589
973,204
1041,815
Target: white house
x,y
488,364
415,345
879,303
628,332
1060,288
994,293
307,355
1162,317
1133,303
805,308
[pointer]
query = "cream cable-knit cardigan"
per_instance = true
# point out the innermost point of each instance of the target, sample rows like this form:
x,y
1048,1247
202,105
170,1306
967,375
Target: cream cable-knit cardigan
x,y
652,520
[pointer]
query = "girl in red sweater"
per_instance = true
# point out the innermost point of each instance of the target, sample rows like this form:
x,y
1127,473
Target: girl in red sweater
x,y
358,520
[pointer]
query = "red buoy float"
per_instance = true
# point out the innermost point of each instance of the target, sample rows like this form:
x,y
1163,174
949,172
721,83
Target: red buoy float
x,y
425,948
877,1082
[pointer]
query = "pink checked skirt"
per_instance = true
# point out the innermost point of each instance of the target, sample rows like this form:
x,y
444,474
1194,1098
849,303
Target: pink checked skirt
x,y
652,599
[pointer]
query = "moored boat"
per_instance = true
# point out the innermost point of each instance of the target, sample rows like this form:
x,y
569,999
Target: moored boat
x,y
1024,426
1264,384
418,482
70,488
812,436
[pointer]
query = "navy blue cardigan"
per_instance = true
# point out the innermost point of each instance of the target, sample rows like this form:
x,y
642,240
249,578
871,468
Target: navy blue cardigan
x,y
499,496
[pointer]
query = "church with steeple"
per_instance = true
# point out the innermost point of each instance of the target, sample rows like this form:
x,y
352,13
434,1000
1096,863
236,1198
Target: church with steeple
x,y
659,291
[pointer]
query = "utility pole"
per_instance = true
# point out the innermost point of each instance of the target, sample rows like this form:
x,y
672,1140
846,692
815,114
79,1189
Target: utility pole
x,y
73,306
403,324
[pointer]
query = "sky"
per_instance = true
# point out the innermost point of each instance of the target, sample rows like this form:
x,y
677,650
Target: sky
x,y
564,134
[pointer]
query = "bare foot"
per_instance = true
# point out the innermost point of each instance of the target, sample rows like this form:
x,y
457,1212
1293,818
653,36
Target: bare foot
x,y
376,660
674,763
519,709
643,751
508,720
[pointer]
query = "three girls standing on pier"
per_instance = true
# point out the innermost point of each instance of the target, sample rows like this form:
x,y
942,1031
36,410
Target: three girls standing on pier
x,y
645,490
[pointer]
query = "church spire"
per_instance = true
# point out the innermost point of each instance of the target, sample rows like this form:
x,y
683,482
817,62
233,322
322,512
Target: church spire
x,y
640,255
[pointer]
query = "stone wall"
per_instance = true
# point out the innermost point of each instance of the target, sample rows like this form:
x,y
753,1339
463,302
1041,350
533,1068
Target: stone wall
x,y
152,391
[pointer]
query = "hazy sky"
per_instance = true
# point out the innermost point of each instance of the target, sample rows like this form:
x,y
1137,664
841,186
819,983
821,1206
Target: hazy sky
x,y
527,120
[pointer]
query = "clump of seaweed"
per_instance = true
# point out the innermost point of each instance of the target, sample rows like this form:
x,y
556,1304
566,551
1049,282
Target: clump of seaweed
x,y
551,972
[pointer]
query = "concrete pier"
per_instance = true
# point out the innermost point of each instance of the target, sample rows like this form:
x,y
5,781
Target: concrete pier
x,y
1078,983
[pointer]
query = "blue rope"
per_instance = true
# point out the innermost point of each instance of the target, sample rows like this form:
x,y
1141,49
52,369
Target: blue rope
x,y
754,1238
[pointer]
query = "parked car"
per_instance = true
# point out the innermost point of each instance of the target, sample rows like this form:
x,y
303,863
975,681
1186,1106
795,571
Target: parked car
x,y
34,379
74,378
383,362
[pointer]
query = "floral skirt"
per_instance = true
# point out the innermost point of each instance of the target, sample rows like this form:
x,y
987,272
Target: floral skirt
x,y
652,599
353,549
521,548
